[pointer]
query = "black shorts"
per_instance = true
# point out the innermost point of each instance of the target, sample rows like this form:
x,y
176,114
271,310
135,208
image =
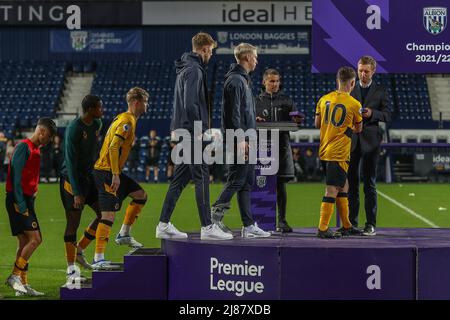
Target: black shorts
x,y
153,161
88,190
335,173
109,201
21,222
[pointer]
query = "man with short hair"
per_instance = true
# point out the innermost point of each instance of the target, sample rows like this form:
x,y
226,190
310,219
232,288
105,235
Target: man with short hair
x,y
238,112
366,145
191,105
21,189
274,106
77,186
112,184
338,115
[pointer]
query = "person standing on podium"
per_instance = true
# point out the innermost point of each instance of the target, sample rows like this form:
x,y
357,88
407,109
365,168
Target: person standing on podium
x,y
272,105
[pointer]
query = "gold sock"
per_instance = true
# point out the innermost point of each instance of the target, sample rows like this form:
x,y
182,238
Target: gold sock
x,y
132,212
102,235
89,235
326,211
71,251
19,266
342,209
24,276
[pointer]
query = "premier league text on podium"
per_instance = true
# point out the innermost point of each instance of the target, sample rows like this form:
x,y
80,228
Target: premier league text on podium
x,y
263,196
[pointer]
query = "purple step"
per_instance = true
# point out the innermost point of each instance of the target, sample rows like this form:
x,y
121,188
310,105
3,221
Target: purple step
x,y
144,277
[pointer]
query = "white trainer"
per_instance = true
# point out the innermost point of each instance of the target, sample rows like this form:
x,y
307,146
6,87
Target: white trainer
x,y
128,240
214,232
169,232
30,292
15,283
74,277
253,231
101,265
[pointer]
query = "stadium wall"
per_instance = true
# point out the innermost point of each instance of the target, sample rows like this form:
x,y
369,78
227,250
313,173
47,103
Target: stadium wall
x,y
159,43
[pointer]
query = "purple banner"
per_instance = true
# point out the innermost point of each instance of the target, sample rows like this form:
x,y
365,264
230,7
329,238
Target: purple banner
x,y
403,36
263,196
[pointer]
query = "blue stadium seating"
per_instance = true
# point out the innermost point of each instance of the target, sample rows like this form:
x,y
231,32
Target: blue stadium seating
x,y
29,90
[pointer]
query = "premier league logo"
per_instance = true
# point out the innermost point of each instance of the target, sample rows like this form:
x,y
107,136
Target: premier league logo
x,y
261,181
79,40
435,19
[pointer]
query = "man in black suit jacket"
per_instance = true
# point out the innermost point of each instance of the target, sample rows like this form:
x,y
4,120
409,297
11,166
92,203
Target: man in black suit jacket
x,y
366,145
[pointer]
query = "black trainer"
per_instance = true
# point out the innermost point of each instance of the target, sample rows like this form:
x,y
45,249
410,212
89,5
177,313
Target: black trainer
x,y
328,234
283,227
369,230
352,231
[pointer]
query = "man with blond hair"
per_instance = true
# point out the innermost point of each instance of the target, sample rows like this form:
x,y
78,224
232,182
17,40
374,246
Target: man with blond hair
x,y
238,112
112,184
191,105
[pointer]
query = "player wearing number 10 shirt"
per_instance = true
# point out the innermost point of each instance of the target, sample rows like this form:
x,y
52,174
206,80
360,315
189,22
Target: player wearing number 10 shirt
x,y
338,115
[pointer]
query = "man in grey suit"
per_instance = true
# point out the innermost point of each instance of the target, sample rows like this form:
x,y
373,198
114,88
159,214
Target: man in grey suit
x,y
366,145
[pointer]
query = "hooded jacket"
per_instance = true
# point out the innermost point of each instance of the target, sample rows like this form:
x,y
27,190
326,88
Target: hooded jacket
x,y
190,102
238,103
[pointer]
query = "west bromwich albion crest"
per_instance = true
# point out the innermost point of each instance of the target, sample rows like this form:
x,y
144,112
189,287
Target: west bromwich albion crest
x,y
222,36
435,19
79,40
261,181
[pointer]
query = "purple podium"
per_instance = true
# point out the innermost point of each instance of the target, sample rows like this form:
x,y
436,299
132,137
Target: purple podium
x,y
398,264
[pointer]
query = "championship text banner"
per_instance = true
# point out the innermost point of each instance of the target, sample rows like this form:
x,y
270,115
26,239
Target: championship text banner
x,y
403,36
56,13
98,41
279,42
226,13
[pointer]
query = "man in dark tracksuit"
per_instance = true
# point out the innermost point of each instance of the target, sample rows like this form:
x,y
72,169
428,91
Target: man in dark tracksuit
x,y
238,112
191,105
366,145
272,105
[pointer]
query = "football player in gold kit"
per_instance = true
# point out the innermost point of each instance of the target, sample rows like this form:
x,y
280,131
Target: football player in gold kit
x,y
113,185
338,115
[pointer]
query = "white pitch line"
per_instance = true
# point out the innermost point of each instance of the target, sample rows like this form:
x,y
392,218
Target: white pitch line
x,y
411,212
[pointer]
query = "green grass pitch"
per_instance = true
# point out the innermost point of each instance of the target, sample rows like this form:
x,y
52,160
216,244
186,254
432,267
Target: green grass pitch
x,y
47,265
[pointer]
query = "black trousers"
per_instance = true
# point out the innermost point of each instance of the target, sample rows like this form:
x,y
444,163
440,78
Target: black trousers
x,y
240,180
281,199
368,163
182,175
